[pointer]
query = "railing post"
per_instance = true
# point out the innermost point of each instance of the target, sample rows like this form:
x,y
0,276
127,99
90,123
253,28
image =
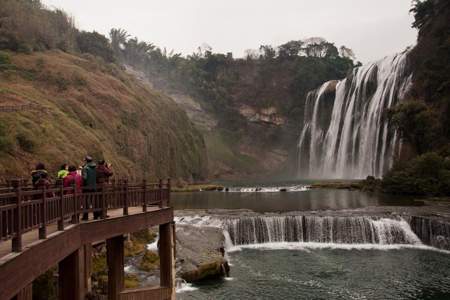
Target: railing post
x,y
169,186
17,239
43,228
61,209
104,205
113,194
76,205
160,194
144,196
125,200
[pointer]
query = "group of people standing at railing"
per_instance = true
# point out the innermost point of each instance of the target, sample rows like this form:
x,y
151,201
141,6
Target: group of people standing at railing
x,y
84,179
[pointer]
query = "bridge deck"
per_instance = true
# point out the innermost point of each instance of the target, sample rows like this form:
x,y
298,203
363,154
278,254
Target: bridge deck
x,y
31,237
40,229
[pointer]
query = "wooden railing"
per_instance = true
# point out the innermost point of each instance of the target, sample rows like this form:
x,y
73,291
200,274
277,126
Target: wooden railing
x,y
23,208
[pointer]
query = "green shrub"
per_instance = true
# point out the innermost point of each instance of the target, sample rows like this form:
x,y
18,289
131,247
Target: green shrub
x,y
5,142
44,287
96,44
427,174
25,143
149,262
5,61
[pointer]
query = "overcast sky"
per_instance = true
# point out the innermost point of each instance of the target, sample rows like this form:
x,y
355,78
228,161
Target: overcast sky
x,y
373,29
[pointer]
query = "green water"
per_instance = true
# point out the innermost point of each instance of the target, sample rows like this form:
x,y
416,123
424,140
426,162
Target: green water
x,y
331,274
303,200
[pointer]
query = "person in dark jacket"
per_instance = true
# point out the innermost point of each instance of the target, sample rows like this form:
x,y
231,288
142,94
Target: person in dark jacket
x,y
103,172
38,173
44,182
89,174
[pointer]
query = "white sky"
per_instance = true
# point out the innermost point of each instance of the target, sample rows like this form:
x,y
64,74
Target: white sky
x,y
373,29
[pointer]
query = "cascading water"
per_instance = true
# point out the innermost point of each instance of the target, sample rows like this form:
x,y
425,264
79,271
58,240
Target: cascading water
x,y
313,229
346,133
251,230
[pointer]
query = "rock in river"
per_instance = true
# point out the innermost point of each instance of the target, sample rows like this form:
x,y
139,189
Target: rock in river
x,y
200,253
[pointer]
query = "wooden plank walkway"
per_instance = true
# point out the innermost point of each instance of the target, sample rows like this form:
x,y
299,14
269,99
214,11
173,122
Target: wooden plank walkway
x,y
31,237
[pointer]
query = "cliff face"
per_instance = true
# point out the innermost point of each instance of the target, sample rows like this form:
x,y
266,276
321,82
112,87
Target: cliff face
x,y
57,107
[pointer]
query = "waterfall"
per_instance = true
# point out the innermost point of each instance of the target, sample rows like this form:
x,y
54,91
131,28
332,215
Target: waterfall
x,y
432,232
314,229
345,133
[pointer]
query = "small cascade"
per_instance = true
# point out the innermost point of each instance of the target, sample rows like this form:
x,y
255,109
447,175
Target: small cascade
x,y
345,133
314,229
432,232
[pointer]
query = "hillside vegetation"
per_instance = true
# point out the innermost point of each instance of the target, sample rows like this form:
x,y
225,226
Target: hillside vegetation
x,y
62,97
58,107
424,118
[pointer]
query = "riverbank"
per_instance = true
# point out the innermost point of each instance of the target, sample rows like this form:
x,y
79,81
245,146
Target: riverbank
x,y
190,188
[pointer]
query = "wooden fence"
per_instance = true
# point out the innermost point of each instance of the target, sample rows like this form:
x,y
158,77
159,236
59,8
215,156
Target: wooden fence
x,y
23,208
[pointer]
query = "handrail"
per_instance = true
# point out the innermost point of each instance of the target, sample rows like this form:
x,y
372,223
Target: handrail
x,y
23,209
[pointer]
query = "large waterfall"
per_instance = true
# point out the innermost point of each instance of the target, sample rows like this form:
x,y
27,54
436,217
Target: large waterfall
x,y
346,133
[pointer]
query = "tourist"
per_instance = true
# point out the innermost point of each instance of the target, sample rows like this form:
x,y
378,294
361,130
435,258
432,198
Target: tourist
x,y
44,183
63,172
103,172
38,173
73,179
89,174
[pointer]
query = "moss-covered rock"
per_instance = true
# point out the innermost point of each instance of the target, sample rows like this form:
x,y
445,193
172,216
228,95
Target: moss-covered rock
x,y
138,241
149,261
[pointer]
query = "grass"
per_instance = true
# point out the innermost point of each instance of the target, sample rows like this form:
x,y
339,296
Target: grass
x,y
197,188
89,107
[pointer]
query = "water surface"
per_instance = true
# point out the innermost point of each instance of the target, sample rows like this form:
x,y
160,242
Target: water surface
x,y
331,274
268,198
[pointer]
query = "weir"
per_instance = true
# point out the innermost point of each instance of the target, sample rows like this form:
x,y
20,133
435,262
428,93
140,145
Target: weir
x,y
337,230
383,230
345,132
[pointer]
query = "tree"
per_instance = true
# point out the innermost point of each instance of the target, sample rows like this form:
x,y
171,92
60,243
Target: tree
x,y
118,38
346,53
95,44
417,123
267,52
423,12
290,49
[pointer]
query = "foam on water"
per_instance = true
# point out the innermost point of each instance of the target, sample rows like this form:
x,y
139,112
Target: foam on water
x,y
267,189
313,246
153,246
182,286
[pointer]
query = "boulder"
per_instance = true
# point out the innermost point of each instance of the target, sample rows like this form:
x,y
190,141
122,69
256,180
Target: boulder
x,y
200,253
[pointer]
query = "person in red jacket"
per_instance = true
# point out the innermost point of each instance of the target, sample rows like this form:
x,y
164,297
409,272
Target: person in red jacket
x,y
73,178
103,172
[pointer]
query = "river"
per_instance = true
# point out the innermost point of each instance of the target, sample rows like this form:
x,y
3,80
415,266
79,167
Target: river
x,y
323,270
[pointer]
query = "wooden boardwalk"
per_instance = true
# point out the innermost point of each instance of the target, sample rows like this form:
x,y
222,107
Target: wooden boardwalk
x,y
43,228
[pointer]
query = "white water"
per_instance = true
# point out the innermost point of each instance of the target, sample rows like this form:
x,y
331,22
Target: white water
x,y
311,232
267,189
348,136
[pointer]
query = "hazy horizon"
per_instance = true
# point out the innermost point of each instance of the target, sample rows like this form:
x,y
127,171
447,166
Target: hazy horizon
x,y
372,29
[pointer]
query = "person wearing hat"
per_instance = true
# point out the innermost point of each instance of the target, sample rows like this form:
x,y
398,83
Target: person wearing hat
x,y
89,174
